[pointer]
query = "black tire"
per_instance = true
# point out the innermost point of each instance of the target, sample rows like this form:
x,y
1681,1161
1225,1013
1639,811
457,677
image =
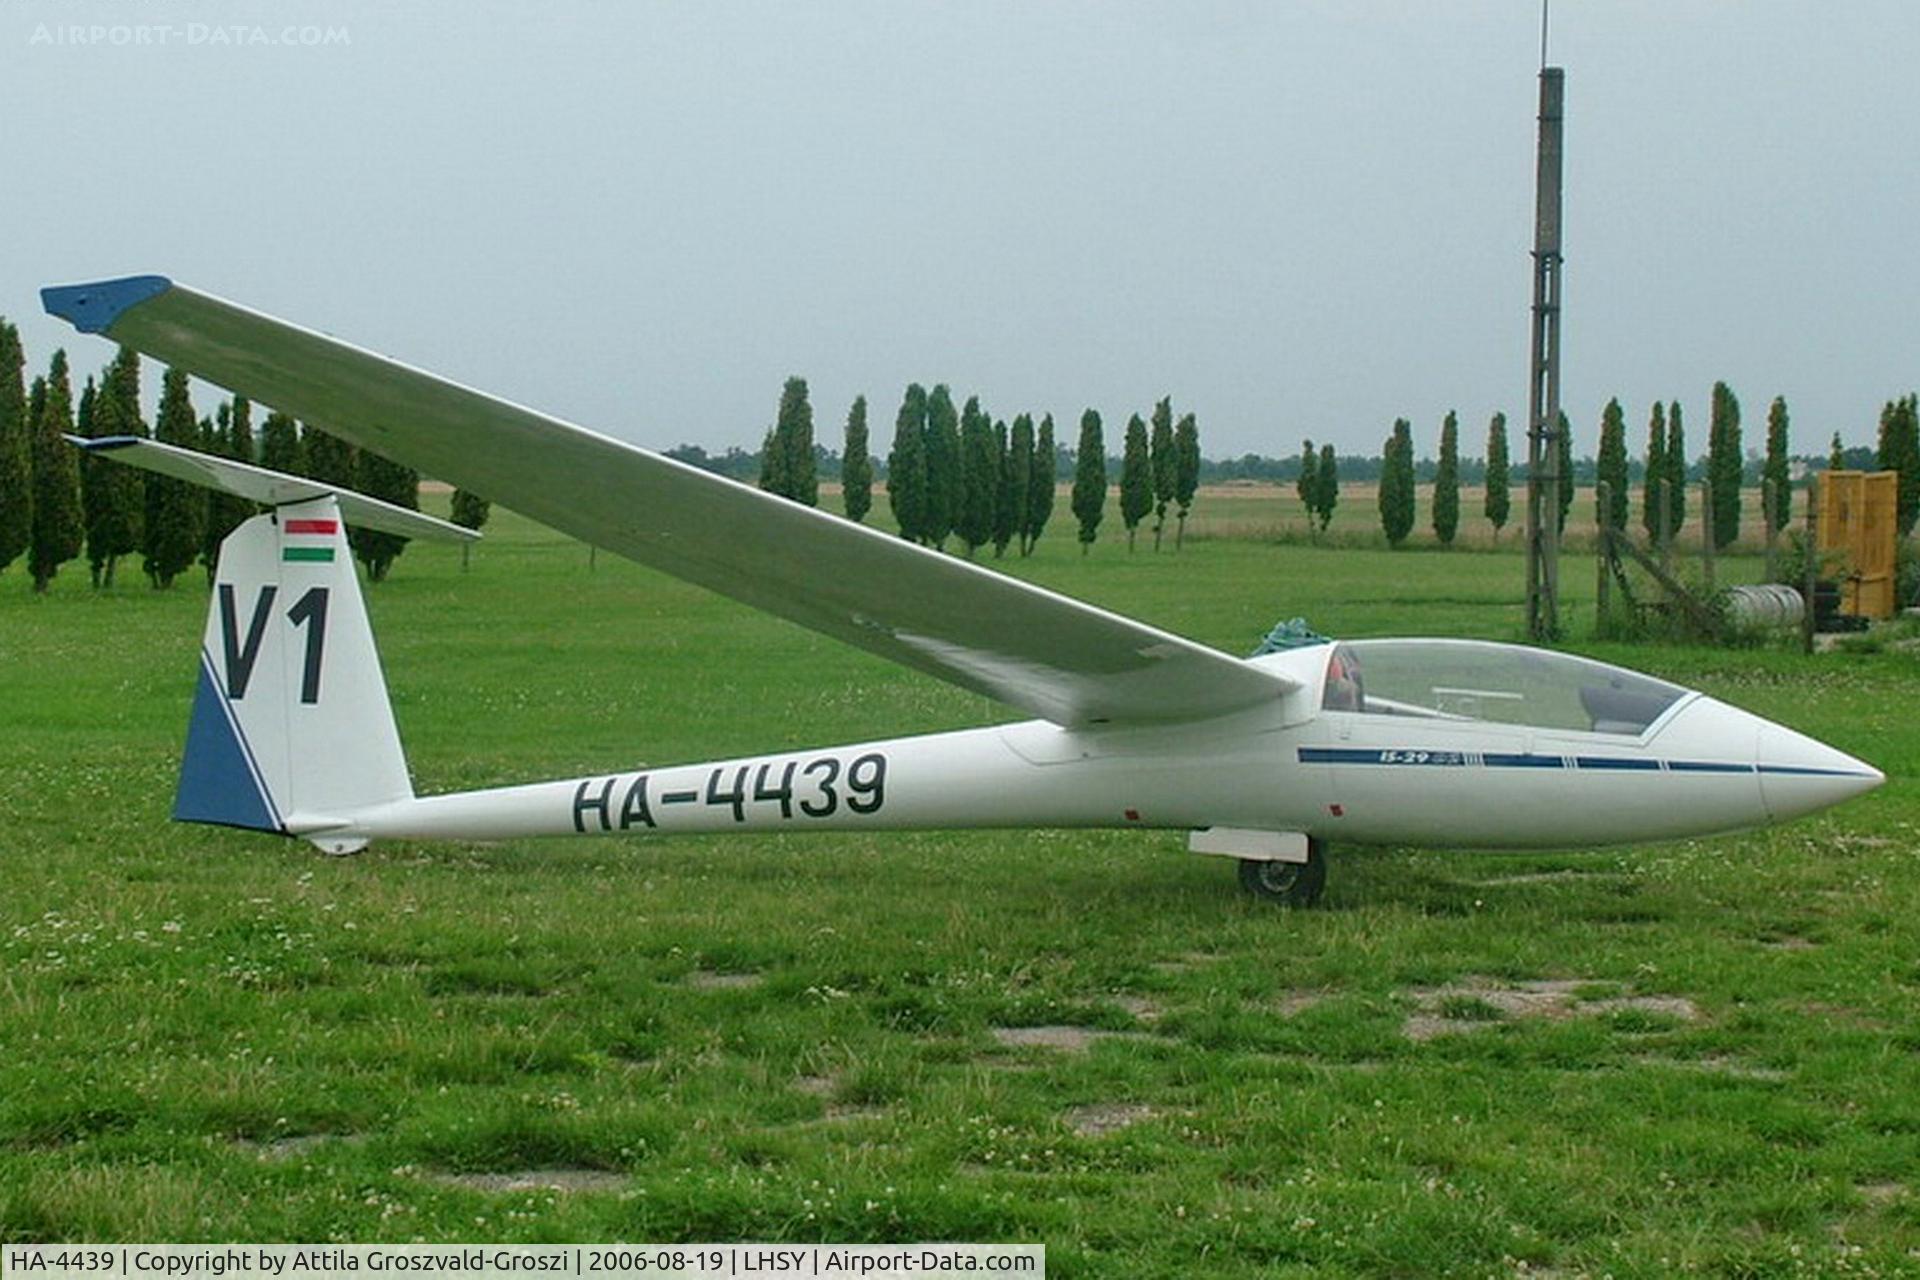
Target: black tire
x,y
1290,884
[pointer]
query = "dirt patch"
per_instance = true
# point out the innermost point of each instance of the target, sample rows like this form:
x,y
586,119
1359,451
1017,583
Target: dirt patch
x,y
299,1145
1479,1002
588,1181
817,1086
709,980
1065,1039
1292,1002
1188,962
1541,877
1789,942
1107,1117
1720,1065
1143,1009
1880,1192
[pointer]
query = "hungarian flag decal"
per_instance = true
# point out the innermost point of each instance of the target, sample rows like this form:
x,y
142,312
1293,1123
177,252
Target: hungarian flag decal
x,y
308,539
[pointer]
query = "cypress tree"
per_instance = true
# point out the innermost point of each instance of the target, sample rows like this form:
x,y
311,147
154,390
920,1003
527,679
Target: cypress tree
x,y
176,511
1308,485
1776,472
793,442
16,451
1396,484
943,466
774,475
1566,470
86,424
1186,482
1020,477
1676,472
58,526
117,527
376,477
907,466
225,512
330,460
1327,481
1657,475
1446,482
1900,451
1136,478
280,445
1040,481
1006,511
1611,464
1725,464
1163,464
856,464
979,478
1090,479
1498,505
1836,455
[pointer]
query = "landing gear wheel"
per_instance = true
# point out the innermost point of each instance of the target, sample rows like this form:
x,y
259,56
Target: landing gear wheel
x,y
1291,884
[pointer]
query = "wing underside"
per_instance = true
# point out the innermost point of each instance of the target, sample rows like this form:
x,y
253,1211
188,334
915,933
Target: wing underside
x,y
1044,653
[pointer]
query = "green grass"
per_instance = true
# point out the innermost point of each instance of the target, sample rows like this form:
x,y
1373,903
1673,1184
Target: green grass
x,y
178,1003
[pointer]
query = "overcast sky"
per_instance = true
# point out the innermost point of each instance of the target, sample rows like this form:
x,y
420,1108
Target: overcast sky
x,y
1298,219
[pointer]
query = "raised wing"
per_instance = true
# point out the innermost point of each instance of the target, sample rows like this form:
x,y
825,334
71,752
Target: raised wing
x,y
1043,653
273,488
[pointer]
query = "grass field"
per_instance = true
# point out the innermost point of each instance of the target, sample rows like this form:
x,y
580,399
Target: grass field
x,y
1695,1057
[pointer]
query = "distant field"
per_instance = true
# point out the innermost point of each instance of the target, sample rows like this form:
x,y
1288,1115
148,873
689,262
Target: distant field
x,y
1701,1056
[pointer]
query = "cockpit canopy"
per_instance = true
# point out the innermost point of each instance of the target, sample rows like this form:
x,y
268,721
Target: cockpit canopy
x,y
1505,684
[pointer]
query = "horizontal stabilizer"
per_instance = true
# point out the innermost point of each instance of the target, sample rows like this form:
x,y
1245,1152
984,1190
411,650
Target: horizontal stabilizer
x,y
272,488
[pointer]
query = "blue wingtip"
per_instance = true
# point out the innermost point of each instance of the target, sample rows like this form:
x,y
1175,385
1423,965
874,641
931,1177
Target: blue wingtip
x,y
90,308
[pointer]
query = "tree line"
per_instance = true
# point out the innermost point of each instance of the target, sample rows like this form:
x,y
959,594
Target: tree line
x,y
57,504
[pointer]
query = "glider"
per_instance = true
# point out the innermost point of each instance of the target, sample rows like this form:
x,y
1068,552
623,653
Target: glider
x,y
1262,759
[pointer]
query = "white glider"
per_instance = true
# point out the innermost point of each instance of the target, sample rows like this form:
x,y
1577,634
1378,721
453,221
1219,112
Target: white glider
x,y
1266,759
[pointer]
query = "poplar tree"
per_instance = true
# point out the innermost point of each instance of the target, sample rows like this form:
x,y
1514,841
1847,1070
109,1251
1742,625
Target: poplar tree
x,y
979,478
1007,513
907,466
773,477
1566,470
116,495
225,512
1446,482
1725,464
377,477
1163,465
1836,455
1327,481
1186,480
16,451
1498,505
1040,481
1776,472
793,441
58,526
329,459
1657,477
943,466
856,465
1308,485
1611,465
1676,472
1090,479
1396,496
280,445
1136,478
176,511
1900,451
1020,478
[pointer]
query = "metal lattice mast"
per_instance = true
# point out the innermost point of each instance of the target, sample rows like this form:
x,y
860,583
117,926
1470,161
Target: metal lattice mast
x,y
1543,382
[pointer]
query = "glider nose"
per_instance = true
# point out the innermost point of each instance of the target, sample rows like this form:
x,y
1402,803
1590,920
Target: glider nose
x,y
1800,775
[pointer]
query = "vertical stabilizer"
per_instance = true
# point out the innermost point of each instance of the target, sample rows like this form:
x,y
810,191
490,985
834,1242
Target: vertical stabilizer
x,y
291,725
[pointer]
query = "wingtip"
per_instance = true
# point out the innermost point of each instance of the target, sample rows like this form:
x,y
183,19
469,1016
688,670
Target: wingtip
x,y
92,308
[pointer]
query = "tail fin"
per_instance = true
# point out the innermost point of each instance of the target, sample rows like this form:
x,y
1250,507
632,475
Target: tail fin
x,y
291,725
